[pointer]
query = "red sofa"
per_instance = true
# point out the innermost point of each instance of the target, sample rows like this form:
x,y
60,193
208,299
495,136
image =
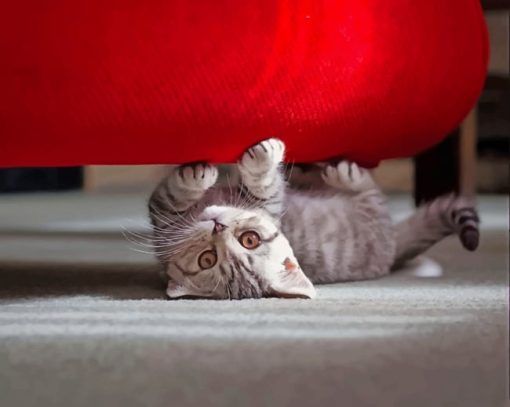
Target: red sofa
x,y
170,81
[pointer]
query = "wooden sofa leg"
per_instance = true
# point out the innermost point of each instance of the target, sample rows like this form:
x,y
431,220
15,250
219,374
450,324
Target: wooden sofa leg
x,y
448,166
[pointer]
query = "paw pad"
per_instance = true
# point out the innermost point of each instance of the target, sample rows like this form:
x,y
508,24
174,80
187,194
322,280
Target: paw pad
x,y
347,175
263,157
198,176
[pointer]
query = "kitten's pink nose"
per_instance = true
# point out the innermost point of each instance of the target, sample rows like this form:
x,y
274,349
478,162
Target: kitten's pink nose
x,y
218,227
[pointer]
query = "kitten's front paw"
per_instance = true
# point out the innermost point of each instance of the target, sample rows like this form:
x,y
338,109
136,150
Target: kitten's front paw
x,y
196,177
263,157
347,175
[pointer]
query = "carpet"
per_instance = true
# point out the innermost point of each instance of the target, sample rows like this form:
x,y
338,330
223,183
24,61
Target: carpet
x,y
83,321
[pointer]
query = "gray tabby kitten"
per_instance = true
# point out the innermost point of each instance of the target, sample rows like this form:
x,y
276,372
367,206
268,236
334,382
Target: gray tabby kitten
x,y
264,239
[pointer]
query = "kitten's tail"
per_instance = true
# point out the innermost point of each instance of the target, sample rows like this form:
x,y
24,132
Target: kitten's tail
x,y
432,222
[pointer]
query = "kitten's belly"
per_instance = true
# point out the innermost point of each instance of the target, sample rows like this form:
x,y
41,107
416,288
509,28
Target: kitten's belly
x,y
336,238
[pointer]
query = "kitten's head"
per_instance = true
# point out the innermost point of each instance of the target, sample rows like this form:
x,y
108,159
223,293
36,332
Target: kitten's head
x,y
232,253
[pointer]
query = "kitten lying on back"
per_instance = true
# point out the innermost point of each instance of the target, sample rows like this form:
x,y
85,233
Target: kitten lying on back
x,y
264,239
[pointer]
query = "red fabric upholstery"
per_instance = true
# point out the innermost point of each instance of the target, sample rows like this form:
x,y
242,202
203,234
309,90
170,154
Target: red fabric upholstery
x,y
157,81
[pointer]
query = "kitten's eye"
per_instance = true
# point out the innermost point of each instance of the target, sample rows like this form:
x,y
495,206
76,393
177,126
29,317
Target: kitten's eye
x,y
207,259
250,240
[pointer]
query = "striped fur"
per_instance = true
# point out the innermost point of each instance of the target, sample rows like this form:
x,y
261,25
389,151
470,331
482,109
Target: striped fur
x,y
434,221
337,228
341,229
444,216
184,210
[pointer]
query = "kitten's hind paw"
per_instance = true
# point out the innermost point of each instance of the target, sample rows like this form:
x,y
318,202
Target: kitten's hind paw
x,y
196,177
465,220
263,157
348,176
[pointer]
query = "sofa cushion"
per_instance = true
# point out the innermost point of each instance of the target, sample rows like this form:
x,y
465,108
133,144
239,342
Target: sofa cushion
x,y
170,81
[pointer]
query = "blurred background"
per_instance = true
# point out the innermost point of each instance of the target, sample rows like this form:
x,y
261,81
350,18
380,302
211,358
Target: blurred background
x,y
488,123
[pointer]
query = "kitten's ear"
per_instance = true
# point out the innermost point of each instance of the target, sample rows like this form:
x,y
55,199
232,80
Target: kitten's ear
x,y
175,290
291,282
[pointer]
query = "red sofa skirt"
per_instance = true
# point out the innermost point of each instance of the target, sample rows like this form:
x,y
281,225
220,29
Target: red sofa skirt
x,y
172,81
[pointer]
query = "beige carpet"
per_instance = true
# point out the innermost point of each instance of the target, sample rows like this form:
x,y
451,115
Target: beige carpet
x,y
83,323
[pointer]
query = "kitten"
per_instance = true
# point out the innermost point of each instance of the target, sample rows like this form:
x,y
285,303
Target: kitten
x,y
264,239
